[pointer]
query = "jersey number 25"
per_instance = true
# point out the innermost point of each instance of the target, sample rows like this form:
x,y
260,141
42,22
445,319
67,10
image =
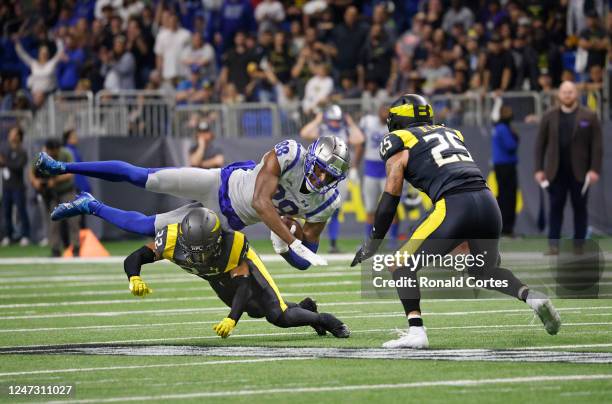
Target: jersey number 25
x,y
450,144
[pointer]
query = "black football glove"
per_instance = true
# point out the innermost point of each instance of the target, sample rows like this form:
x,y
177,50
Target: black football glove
x,y
367,250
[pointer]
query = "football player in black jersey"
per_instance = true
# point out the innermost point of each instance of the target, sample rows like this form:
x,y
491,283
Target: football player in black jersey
x,y
435,160
234,270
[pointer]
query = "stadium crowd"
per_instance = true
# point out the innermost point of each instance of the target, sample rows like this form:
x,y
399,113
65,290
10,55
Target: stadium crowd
x,y
296,51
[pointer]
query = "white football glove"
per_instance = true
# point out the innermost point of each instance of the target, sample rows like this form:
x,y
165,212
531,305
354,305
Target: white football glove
x,y
353,176
278,244
306,254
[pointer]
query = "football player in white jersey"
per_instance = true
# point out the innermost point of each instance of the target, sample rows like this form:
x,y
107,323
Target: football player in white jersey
x,y
374,127
290,180
333,122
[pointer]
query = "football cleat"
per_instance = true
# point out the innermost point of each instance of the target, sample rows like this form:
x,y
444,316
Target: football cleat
x,y
47,165
311,305
336,327
414,338
78,206
544,309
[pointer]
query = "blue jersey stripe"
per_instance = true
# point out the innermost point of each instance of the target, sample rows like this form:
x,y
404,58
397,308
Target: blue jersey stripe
x,y
324,206
295,160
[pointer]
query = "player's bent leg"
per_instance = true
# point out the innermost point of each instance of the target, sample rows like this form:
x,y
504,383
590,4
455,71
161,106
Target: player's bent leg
x,y
86,204
113,170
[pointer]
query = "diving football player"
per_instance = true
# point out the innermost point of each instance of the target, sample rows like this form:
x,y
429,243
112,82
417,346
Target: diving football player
x,y
290,180
435,160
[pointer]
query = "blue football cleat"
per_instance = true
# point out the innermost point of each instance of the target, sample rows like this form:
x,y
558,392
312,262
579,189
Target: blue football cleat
x,y
76,207
47,165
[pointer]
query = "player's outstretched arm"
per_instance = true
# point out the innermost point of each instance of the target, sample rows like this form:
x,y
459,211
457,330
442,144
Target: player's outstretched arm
x,y
132,265
387,206
265,187
310,131
241,281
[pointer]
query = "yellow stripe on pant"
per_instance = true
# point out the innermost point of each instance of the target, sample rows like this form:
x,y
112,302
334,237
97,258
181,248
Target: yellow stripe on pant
x,y
252,255
428,226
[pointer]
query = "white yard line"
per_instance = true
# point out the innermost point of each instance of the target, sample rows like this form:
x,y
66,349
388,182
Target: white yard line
x,y
528,257
352,387
326,304
161,365
250,320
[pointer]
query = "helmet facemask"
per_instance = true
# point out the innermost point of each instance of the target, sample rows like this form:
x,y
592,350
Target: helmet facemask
x,y
334,167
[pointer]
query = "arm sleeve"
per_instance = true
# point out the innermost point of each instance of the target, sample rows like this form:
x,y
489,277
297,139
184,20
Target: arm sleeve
x,y
384,215
241,297
134,261
295,260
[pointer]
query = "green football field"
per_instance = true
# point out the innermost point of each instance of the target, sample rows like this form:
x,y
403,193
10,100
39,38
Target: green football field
x,y
75,323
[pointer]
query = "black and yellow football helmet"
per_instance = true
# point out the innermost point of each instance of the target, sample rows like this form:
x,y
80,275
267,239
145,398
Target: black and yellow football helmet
x,y
409,110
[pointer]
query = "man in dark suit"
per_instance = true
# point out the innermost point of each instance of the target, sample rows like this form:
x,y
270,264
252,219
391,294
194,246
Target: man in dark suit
x,y
568,160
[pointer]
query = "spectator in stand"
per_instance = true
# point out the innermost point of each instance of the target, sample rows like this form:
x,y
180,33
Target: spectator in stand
x,y
381,17
376,60
348,39
498,73
269,15
201,56
438,76
140,45
13,159
42,70
280,59
204,154
317,90
123,67
233,17
348,88
170,43
594,41
188,91
235,62
505,159
68,70
457,13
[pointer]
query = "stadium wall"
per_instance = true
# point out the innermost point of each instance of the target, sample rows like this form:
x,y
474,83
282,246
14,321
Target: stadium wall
x,y
170,151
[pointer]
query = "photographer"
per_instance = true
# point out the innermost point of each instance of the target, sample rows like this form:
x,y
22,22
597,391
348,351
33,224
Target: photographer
x,y
56,190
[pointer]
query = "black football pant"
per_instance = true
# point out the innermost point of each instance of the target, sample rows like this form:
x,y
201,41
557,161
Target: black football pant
x,y
472,217
563,184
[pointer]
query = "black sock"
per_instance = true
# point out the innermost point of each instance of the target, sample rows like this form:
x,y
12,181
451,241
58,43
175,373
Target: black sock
x,y
523,292
415,322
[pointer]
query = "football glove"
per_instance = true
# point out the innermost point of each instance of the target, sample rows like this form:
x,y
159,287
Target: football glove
x,y
367,250
278,244
306,254
225,327
138,287
353,176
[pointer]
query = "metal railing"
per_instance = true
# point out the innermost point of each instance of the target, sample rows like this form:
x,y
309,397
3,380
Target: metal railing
x,y
155,113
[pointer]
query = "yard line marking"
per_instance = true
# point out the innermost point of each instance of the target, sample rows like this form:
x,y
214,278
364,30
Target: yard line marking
x,y
204,287
567,346
526,257
326,304
485,355
118,277
161,365
352,387
258,320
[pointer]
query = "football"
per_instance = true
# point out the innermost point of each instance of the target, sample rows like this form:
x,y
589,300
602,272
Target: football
x,y
299,232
